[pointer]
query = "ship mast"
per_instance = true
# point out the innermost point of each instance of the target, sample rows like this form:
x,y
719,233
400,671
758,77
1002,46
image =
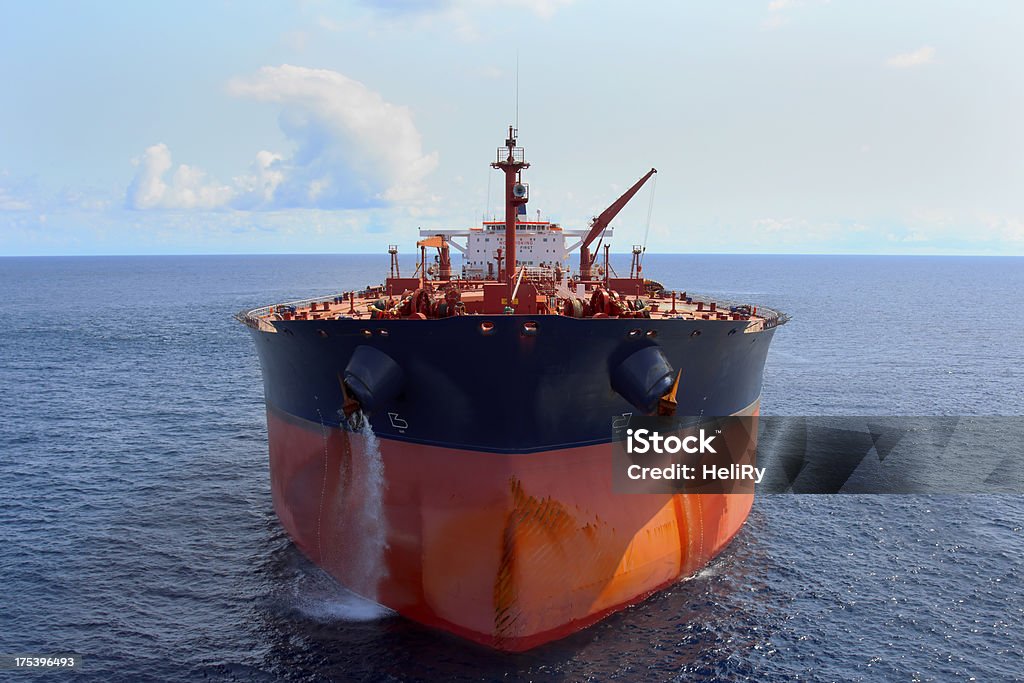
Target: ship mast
x,y
511,160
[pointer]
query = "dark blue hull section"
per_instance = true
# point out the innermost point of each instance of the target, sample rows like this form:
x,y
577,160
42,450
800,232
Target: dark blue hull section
x,y
508,390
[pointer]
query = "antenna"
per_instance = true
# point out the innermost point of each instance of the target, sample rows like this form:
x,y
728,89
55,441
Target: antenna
x,y
517,88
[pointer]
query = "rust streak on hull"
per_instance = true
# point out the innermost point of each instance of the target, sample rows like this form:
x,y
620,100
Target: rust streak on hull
x,y
511,551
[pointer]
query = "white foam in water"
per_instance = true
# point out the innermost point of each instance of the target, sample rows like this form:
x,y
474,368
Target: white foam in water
x,y
341,605
369,485
712,569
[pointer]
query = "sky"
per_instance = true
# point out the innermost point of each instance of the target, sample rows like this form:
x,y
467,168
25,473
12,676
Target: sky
x,y
776,126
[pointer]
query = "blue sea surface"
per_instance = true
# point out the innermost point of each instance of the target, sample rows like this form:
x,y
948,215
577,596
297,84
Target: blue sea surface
x,y
138,529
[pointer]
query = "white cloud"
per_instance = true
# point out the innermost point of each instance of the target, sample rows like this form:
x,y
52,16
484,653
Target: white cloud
x,y
259,186
919,57
353,149
187,188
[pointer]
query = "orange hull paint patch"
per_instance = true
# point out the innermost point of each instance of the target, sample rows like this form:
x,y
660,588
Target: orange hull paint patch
x,y
510,551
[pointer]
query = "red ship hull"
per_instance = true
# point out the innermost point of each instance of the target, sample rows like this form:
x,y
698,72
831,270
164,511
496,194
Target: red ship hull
x,y
509,550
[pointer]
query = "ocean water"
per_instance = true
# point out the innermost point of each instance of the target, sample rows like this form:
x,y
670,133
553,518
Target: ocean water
x,y
138,529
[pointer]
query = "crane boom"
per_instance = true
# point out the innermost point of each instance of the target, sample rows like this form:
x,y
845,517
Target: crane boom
x,y
606,217
601,222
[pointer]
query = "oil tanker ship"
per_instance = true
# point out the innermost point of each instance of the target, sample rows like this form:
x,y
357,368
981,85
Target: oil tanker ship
x,y
441,443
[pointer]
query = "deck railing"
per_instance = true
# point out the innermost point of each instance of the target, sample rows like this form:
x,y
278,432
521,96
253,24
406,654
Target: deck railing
x,y
256,317
253,317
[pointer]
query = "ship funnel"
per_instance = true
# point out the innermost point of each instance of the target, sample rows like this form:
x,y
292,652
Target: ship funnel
x,y
643,377
373,377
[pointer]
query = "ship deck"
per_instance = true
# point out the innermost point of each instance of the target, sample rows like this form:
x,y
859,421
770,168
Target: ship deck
x,y
360,305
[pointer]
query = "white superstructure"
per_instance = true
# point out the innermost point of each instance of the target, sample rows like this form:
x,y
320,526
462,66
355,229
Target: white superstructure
x,y
539,245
